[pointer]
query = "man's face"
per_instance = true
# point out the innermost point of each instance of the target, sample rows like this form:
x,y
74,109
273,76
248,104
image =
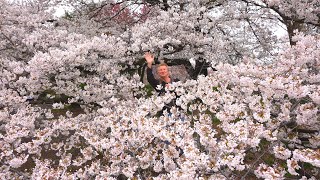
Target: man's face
x,y
163,71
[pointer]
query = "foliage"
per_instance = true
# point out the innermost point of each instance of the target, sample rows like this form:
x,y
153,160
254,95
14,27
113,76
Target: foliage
x,y
69,109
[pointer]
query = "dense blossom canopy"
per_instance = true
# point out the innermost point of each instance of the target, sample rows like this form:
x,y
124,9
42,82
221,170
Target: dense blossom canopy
x,y
72,104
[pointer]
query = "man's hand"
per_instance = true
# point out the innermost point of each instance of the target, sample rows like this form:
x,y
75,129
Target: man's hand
x,y
149,58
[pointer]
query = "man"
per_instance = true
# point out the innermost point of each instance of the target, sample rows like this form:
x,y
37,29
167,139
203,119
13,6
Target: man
x,y
162,71
164,79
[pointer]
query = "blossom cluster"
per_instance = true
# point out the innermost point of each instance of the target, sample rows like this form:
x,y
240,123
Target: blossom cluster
x,y
108,127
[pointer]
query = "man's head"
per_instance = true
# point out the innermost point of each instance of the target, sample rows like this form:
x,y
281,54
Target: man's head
x,y
163,70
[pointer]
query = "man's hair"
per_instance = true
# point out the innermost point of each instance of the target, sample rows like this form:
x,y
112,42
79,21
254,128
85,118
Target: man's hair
x,y
162,64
